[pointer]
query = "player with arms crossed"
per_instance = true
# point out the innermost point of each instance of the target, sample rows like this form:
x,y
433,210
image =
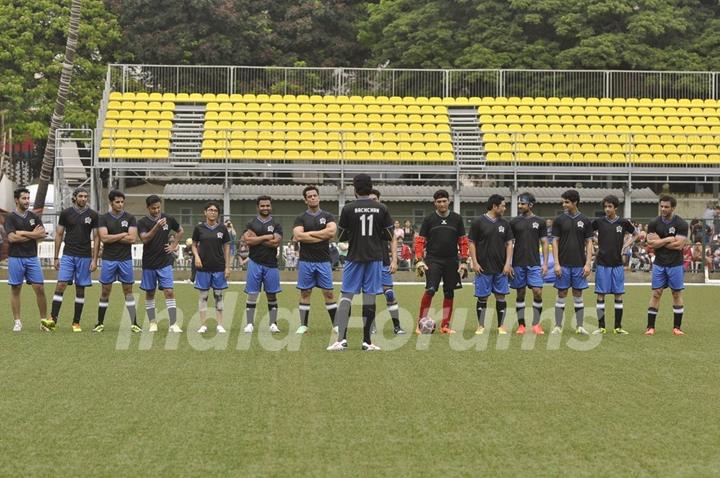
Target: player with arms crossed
x,y
491,252
211,250
313,229
530,232
264,235
24,229
366,225
77,226
572,253
118,231
667,234
614,235
158,258
440,241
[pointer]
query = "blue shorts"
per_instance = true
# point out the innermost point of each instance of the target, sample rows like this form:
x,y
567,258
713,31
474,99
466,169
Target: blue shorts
x,y
663,277
571,277
487,283
610,280
75,269
157,278
27,268
526,276
111,271
387,279
210,280
314,274
260,276
362,277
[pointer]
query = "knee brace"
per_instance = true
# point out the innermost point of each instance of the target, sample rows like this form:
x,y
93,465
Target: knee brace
x,y
449,294
202,303
218,295
390,296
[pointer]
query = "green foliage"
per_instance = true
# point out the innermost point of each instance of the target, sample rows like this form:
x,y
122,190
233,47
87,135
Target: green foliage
x,y
32,46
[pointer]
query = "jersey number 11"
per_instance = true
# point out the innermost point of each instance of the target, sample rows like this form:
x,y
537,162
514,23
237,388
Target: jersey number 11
x,y
366,225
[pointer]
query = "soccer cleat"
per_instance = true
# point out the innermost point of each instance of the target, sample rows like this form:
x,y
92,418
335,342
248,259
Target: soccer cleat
x,y
650,331
398,331
220,329
18,326
76,327
249,328
153,327
520,330
369,347
446,330
337,346
600,331
47,324
538,330
581,331
202,329
556,330
175,328
480,330
678,331
135,328
343,342
274,329
417,330
302,330
98,328
620,331
502,330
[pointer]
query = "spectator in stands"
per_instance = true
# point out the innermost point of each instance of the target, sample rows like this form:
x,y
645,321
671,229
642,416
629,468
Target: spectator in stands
x,y
243,253
716,260
291,257
398,231
687,258
709,214
233,241
343,250
697,257
404,255
409,233
716,220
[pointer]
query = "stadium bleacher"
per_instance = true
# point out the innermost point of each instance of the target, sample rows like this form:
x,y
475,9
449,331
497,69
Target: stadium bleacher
x,y
138,126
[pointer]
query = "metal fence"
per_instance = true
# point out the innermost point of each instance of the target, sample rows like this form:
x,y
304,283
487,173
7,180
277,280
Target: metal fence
x,y
409,82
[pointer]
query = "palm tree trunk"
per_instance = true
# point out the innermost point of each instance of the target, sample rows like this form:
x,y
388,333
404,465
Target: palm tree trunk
x,y
59,113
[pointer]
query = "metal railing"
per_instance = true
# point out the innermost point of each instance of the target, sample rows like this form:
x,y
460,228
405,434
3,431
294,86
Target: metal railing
x,y
413,82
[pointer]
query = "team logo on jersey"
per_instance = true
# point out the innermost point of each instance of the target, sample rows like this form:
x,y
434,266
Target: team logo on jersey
x,y
88,220
501,229
443,222
671,230
536,225
581,225
124,224
323,221
220,235
165,227
618,229
271,229
32,222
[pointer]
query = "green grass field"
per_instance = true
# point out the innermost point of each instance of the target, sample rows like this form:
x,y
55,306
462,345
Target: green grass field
x,y
110,404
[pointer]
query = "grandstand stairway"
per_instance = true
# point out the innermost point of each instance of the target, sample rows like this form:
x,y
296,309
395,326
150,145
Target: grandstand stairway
x,y
187,133
466,135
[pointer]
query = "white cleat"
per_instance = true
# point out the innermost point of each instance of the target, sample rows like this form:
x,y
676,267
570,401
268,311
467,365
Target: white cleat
x,y
369,347
556,330
18,326
581,331
175,328
274,329
221,329
337,346
249,329
153,327
202,329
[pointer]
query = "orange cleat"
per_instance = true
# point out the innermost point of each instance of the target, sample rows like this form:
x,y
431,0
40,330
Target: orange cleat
x,y
538,330
678,331
520,330
446,330
650,331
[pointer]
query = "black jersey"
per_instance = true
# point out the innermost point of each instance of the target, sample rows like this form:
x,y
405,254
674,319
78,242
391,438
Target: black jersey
x,y
490,237
611,237
261,254
154,255
22,222
572,232
676,226
117,251
528,231
78,225
319,251
441,234
367,226
210,243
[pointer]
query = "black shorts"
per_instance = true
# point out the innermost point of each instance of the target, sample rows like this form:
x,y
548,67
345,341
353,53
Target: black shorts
x,y
445,269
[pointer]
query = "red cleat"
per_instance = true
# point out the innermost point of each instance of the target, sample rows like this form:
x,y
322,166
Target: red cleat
x,y
446,330
538,330
650,331
678,331
520,330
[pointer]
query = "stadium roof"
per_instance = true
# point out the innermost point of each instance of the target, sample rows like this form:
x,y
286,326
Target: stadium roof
x,y
392,193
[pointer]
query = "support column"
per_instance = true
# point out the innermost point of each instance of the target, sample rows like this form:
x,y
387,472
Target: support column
x,y
456,200
341,199
513,202
627,206
226,200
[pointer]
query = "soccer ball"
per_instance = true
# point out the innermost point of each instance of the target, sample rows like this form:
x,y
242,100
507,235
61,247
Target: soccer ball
x,y
427,325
